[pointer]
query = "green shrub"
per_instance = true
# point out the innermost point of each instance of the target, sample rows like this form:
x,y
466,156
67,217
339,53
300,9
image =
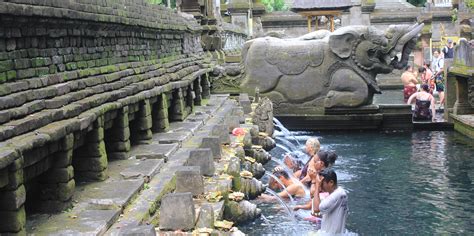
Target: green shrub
x,y
274,5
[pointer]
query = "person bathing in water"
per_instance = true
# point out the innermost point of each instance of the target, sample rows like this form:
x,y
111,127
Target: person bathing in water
x,y
312,146
323,160
292,188
334,207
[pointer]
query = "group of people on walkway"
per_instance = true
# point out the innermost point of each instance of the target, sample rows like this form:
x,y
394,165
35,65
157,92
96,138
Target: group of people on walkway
x,y
328,201
419,85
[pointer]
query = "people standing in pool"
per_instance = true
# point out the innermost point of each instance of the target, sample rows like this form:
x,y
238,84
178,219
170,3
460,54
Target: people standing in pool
x,y
409,83
322,160
312,146
334,208
292,187
424,104
437,66
426,77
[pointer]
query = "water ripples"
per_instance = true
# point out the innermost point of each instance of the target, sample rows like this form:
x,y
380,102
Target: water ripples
x,y
419,183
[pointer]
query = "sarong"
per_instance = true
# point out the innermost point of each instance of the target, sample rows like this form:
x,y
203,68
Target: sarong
x,y
408,91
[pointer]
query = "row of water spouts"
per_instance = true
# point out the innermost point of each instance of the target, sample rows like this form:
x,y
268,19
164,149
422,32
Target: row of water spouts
x,y
290,148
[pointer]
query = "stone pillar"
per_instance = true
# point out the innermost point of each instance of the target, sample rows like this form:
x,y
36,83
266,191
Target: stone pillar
x,y
141,129
57,184
117,138
90,160
449,89
462,106
206,87
190,95
178,107
197,91
12,199
160,114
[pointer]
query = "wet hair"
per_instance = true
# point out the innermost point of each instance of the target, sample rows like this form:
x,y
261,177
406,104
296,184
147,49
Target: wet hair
x,y
281,173
421,69
427,64
408,67
425,87
329,174
314,143
327,157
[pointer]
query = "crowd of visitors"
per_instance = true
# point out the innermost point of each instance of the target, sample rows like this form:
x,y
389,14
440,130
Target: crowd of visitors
x,y
420,85
328,201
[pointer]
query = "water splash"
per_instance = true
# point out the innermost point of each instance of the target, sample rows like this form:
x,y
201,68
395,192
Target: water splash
x,y
292,176
279,181
291,146
285,131
289,211
287,150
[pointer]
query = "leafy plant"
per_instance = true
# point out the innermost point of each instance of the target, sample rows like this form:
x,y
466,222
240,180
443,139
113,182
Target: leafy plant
x,y
469,4
274,5
454,15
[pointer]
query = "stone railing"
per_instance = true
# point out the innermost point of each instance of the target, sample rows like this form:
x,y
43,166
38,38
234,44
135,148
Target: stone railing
x,y
80,81
234,38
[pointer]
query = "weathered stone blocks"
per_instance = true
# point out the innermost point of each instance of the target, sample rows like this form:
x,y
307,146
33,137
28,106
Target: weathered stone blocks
x,y
141,126
212,142
160,114
90,160
189,179
206,217
202,157
178,106
170,218
117,138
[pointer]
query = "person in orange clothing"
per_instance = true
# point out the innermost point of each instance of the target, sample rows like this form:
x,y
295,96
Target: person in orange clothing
x,y
409,83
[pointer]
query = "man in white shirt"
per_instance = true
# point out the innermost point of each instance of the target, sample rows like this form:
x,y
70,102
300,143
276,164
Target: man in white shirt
x,y
438,71
334,207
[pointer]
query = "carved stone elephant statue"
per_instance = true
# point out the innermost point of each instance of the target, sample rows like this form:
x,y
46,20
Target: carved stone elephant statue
x,y
323,69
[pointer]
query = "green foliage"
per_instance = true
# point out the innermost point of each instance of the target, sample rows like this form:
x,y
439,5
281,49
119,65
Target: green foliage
x,y
417,3
454,15
274,5
469,4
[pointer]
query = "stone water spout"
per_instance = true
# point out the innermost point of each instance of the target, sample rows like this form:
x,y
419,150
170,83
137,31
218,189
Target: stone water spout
x,y
325,70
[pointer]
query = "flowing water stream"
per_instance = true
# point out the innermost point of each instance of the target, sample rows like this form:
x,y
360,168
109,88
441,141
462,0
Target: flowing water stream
x,y
398,183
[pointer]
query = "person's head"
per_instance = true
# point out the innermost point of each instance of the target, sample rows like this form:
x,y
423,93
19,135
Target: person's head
x,y
329,183
450,42
425,87
436,53
282,175
324,159
312,146
426,65
409,68
421,70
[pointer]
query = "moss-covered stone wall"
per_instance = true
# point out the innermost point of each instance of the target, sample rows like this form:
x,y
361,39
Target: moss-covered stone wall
x,y
79,82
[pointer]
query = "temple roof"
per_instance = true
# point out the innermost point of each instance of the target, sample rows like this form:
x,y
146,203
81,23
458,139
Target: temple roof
x,y
308,5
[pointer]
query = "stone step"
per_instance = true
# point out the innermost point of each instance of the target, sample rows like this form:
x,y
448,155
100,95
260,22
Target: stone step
x,y
154,151
141,211
185,126
105,199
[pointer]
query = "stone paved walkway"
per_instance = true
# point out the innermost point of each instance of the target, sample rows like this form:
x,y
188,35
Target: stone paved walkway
x,y
129,197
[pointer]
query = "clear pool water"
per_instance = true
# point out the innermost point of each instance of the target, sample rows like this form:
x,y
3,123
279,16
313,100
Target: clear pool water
x,y
419,183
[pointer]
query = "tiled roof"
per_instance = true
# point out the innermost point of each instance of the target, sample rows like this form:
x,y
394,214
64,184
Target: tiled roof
x,y
300,5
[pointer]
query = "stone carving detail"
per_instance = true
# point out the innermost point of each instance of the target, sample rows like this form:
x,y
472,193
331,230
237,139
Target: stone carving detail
x,y
324,69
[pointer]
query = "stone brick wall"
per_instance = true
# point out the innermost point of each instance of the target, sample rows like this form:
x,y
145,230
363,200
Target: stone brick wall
x,y
33,42
80,82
